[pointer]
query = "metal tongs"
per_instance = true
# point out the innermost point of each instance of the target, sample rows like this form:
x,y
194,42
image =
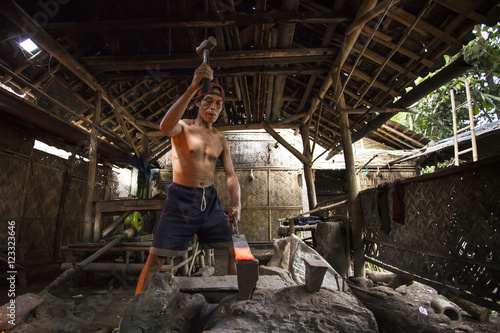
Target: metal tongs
x,y
234,225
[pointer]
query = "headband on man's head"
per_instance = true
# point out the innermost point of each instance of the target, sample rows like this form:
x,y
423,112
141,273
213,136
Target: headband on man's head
x,y
214,89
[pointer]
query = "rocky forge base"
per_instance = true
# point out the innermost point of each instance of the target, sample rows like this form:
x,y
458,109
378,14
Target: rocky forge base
x,y
164,309
408,309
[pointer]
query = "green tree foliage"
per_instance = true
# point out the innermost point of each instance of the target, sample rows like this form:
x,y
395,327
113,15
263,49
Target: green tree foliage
x,y
434,119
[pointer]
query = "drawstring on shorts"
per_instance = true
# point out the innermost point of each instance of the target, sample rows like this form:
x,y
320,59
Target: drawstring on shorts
x,y
203,205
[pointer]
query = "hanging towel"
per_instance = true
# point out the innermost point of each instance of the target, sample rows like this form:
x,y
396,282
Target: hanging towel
x,y
398,204
374,204
379,207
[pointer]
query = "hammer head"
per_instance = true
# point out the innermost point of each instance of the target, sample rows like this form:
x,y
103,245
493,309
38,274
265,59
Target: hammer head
x,y
208,44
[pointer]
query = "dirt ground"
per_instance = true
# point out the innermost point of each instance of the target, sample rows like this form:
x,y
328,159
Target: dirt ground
x,y
100,301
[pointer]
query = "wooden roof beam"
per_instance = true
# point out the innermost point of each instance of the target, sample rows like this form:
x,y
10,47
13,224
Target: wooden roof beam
x,y
392,139
211,21
368,16
379,59
191,35
416,143
42,94
285,144
459,7
422,27
436,41
327,38
323,133
373,110
19,17
285,39
367,31
451,71
226,59
334,126
391,53
367,78
238,127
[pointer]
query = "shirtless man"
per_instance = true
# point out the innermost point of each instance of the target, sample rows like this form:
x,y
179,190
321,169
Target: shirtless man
x,y
192,205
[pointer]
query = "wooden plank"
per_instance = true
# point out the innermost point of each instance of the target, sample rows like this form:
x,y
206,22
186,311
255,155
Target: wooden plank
x,y
126,205
115,224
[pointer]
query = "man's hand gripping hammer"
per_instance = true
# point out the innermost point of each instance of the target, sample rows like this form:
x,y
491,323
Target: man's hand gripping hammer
x,y
234,225
204,49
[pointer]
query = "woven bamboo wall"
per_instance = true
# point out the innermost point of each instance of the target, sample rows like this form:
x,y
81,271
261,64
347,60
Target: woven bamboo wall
x,y
376,177
450,238
271,195
45,196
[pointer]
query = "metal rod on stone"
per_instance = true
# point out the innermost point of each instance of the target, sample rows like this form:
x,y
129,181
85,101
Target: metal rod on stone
x,y
69,273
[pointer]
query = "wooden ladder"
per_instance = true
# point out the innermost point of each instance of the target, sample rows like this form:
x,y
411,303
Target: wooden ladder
x,y
471,126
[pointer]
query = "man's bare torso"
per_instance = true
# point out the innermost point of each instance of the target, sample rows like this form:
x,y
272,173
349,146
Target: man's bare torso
x,y
194,155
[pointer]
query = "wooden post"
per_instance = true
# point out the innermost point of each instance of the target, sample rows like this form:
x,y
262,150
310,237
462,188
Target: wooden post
x,y
60,212
353,198
353,183
308,172
88,217
455,135
472,127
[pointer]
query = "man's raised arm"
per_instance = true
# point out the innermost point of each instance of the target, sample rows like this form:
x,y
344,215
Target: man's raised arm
x,y
170,125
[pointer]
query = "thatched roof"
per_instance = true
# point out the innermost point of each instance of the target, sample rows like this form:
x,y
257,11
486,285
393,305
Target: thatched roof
x,y
283,63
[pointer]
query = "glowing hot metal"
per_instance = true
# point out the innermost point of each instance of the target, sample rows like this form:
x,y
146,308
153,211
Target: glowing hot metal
x,y
247,267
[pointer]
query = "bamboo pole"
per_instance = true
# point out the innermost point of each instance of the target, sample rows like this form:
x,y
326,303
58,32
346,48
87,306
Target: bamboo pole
x,y
353,182
471,116
455,136
308,172
89,201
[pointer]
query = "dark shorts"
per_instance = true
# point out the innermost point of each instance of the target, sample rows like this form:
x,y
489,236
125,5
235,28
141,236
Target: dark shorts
x,y
189,211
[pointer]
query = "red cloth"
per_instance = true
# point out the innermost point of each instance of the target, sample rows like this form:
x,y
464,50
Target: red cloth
x,y
398,204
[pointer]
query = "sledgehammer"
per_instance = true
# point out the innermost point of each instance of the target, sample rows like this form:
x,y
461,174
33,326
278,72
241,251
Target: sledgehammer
x,y
204,49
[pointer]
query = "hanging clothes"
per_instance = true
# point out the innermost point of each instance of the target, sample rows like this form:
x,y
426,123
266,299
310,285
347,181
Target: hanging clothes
x,y
398,204
143,178
379,207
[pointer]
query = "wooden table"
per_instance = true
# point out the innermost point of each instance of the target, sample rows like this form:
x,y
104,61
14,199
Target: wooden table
x,y
285,231
122,206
